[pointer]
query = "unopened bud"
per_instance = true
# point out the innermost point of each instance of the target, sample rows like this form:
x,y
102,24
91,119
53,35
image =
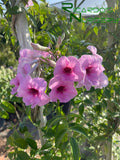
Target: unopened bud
x,y
39,47
58,53
51,62
59,41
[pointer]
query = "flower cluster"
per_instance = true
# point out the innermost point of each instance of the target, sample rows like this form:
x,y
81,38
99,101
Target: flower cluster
x,y
92,70
32,90
86,71
66,72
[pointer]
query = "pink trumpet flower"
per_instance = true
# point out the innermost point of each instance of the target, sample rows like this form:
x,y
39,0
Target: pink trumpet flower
x,y
68,68
24,68
30,55
33,91
94,52
16,81
92,70
103,81
61,90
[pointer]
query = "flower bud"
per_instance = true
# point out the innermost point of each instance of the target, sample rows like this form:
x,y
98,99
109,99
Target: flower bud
x,y
51,62
39,47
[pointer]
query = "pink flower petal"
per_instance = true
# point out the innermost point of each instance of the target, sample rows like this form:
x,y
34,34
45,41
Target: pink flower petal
x,y
92,49
30,3
103,81
94,52
24,68
68,68
61,90
33,91
16,81
30,55
92,70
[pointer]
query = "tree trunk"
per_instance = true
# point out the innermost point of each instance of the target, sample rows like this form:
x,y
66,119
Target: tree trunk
x,y
111,29
20,27
22,31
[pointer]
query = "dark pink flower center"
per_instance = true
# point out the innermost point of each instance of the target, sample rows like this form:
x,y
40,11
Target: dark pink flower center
x,y
18,83
89,70
33,91
67,70
61,89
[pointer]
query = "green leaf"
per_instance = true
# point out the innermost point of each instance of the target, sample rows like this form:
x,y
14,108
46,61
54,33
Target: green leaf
x,y
87,101
75,148
96,30
13,10
11,154
32,19
4,114
50,133
28,112
60,134
98,108
46,146
23,128
79,129
56,158
10,140
8,107
77,101
43,1
107,93
13,40
54,121
22,155
27,134
81,109
73,115
33,153
41,19
31,143
20,142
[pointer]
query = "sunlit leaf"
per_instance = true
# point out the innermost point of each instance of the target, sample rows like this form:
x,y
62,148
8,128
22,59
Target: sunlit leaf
x,y
8,107
31,143
75,148
22,156
79,129
3,114
60,133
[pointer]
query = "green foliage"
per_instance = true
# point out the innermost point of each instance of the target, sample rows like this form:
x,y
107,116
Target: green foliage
x,y
19,143
7,58
75,148
8,107
83,132
32,143
6,74
7,101
22,155
9,47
